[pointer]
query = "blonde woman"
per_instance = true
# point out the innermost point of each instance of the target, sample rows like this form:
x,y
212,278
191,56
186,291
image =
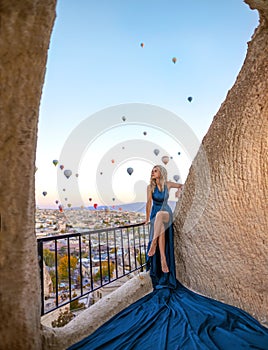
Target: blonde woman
x,y
159,214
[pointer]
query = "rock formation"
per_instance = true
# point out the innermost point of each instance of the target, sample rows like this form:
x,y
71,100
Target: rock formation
x,y
221,226
25,34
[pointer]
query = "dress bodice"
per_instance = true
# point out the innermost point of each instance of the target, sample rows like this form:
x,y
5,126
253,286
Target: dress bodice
x,y
160,201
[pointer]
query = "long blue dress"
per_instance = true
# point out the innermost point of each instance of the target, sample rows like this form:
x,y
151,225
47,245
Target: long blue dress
x,y
160,279
172,317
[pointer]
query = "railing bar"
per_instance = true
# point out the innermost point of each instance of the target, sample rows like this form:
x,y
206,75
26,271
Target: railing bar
x,y
69,269
139,231
90,262
108,255
128,248
100,258
122,249
81,271
115,256
41,266
56,272
134,246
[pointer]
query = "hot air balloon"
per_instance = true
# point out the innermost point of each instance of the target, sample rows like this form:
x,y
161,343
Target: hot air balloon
x,y
67,173
55,162
61,167
179,153
90,199
145,133
66,198
165,159
76,175
190,98
124,118
174,60
69,205
60,208
95,205
156,151
56,201
44,193
113,199
176,178
101,173
112,160
142,45
64,189
130,170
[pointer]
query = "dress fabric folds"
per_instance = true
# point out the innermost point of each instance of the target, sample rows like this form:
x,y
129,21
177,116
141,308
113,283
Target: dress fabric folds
x,y
173,317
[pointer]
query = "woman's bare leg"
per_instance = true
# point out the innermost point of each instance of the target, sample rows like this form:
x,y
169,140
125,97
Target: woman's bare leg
x,y
162,244
161,218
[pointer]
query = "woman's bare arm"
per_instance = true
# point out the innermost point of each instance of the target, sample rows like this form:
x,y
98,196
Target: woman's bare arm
x,y
148,204
171,184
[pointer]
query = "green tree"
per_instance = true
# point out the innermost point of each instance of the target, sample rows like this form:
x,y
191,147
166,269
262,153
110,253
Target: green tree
x,y
63,266
141,258
104,271
49,257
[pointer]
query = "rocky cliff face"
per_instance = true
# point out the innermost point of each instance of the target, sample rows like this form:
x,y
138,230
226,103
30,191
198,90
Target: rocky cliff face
x,y
25,34
222,221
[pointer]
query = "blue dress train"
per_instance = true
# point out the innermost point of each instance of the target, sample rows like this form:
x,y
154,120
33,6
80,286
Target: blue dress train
x,y
172,317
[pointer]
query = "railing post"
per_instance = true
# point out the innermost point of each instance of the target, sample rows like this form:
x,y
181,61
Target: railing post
x,y
41,267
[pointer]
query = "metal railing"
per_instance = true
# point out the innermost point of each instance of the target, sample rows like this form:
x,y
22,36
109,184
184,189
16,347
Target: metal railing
x,y
74,265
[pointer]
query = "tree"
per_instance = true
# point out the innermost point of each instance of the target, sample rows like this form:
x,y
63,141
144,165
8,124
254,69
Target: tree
x,y
63,267
141,258
104,271
49,258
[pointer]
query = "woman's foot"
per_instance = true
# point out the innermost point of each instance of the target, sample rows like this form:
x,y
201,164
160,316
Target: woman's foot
x,y
164,266
152,249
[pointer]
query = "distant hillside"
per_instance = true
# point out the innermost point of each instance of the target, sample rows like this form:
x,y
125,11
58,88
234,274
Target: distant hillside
x,y
138,207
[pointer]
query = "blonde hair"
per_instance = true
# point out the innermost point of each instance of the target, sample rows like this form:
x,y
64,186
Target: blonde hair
x,y
163,178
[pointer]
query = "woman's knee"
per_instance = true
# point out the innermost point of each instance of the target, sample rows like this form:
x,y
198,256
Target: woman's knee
x,y
162,216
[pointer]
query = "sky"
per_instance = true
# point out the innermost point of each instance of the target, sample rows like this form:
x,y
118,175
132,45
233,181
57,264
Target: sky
x,y
97,73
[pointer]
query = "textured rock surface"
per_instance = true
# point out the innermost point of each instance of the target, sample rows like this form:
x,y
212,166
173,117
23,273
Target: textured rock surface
x,y
25,34
221,230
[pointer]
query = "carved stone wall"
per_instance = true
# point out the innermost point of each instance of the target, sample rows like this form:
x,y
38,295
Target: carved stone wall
x,y
25,28
222,222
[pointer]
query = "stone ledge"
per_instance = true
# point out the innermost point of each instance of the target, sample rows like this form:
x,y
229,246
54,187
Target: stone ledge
x,y
92,318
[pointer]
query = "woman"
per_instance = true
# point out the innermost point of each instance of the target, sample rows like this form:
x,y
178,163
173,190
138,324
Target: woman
x,y
160,214
172,316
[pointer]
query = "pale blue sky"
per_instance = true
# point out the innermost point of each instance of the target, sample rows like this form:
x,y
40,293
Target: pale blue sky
x,y
95,61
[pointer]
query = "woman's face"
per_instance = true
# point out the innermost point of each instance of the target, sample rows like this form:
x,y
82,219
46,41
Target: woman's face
x,y
155,173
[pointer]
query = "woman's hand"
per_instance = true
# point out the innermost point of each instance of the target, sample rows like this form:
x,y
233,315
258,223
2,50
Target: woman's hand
x,y
178,193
